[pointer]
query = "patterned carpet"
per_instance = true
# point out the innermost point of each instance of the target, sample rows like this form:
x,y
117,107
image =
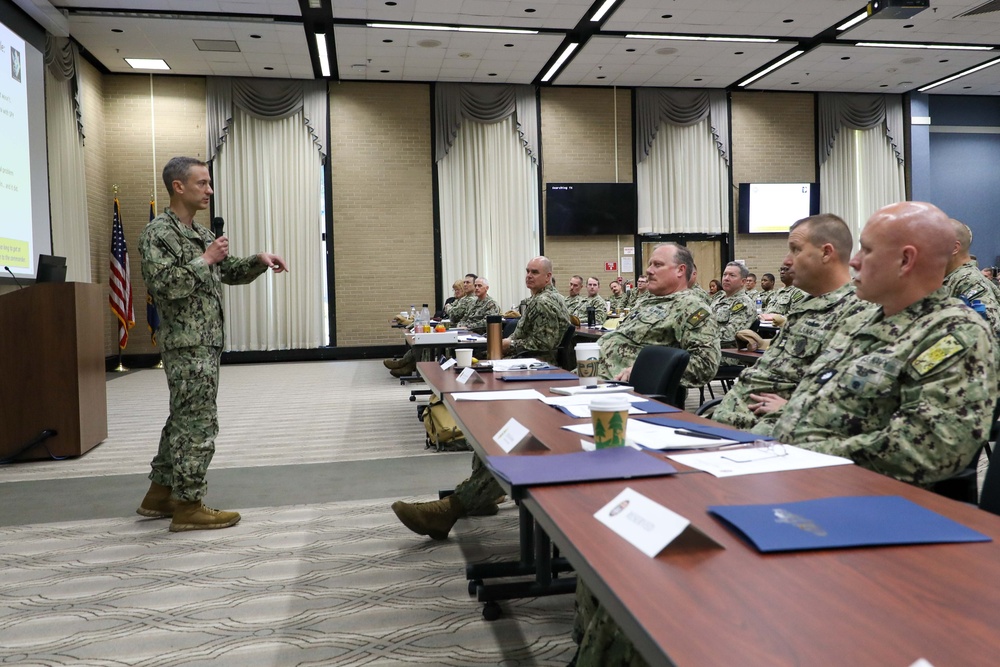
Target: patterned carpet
x,y
269,414
338,584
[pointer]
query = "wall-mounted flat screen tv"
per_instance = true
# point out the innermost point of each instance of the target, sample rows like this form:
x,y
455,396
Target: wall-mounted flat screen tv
x,y
768,208
587,209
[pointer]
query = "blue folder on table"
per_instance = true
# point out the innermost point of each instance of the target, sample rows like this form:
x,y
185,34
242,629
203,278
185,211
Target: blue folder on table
x,y
535,377
718,431
842,522
603,464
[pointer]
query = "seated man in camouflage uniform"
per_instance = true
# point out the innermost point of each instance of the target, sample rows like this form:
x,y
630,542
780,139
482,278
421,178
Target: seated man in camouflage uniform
x,y
596,301
905,389
964,279
619,300
638,292
819,249
734,310
766,288
575,300
474,318
785,297
538,333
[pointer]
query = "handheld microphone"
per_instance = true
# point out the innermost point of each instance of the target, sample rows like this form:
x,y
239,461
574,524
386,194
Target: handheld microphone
x,y
217,225
19,285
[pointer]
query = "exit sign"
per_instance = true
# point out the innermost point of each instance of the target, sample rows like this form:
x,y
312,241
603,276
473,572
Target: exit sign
x,y
610,266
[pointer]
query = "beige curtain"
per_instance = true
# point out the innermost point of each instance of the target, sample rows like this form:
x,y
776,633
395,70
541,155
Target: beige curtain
x,y
683,183
268,177
488,194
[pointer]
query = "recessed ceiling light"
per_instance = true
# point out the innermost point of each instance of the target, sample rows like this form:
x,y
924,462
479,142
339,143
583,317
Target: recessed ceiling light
x,y
254,36
449,28
601,78
884,85
390,4
529,10
789,21
909,25
944,60
385,71
917,45
629,50
697,38
599,14
764,72
966,87
147,63
507,46
854,21
845,57
269,68
967,72
492,74
738,53
117,30
795,83
387,41
698,79
667,16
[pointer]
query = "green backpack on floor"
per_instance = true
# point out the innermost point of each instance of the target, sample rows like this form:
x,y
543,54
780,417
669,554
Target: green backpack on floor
x,y
442,431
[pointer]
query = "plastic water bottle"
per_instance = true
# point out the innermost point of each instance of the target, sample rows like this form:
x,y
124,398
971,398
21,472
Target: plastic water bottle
x,y
760,306
425,318
413,314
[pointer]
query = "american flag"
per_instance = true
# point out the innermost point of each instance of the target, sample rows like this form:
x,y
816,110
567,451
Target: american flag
x,y
121,281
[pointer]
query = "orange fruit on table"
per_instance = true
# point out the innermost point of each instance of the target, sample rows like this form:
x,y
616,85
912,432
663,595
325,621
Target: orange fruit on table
x,y
439,328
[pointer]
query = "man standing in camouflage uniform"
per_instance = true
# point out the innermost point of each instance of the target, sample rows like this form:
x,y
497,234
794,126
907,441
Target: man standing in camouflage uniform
x,y
539,332
906,390
670,315
484,306
575,301
184,267
619,300
734,310
819,250
784,298
964,279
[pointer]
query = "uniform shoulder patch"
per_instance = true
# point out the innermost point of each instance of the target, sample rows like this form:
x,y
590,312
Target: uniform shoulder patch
x,y
974,291
936,354
737,307
697,317
798,296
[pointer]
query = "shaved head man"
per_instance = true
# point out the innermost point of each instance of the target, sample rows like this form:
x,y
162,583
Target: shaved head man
x,y
966,281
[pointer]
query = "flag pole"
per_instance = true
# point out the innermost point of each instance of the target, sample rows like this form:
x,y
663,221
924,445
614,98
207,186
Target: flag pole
x,y
120,282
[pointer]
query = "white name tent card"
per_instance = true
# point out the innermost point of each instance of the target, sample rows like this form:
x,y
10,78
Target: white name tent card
x,y
513,395
515,435
448,363
649,526
469,375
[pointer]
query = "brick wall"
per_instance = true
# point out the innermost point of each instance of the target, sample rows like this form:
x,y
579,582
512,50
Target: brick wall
x,y
580,128
383,213
139,130
773,142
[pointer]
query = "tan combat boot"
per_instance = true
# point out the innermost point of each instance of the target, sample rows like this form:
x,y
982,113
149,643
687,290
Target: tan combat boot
x,y
157,504
194,515
433,519
409,368
392,364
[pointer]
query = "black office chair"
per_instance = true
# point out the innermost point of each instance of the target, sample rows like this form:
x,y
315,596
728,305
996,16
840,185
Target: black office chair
x,y
565,356
657,373
989,499
708,407
963,485
508,327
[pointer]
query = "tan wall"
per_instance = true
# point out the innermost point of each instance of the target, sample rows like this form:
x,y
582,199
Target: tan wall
x,y
580,127
773,142
383,215
131,123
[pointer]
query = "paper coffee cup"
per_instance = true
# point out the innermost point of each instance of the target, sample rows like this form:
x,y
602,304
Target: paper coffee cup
x,y
463,355
609,415
587,356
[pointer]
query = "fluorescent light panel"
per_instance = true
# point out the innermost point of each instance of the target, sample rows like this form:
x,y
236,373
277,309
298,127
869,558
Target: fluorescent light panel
x,y
698,38
599,14
853,22
324,57
967,72
787,59
147,63
570,48
942,47
450,28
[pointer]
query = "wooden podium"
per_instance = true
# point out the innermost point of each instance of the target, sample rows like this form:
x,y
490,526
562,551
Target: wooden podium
x,y
52,369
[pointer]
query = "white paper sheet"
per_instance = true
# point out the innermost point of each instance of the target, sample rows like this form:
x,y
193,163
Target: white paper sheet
x,y
515,395
750,461
515,364
585,399
653,436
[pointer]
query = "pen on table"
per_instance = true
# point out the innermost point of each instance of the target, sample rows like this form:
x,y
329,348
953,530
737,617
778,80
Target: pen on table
x,y
695,434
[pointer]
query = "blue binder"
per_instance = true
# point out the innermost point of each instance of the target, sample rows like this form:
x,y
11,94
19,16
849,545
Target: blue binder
x,y
616,463
726,433
841,522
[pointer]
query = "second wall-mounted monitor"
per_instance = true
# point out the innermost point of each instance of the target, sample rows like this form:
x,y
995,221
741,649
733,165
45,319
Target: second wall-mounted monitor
x,y
588,209
769,208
